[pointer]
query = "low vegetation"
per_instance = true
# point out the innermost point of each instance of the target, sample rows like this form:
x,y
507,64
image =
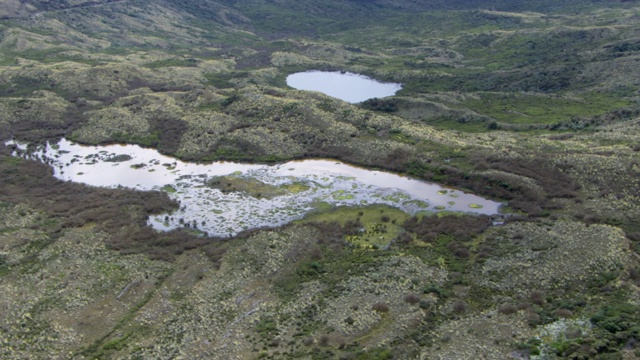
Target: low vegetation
x,y
534,104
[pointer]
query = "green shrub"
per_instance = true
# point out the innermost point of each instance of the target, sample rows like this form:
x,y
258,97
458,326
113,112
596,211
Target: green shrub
x,y
375,354
435,289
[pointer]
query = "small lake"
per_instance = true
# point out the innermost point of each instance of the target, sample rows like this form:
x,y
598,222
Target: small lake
x,y
345,86
281,193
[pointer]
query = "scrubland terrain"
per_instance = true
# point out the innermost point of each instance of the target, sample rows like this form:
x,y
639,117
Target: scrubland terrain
x,y
535,104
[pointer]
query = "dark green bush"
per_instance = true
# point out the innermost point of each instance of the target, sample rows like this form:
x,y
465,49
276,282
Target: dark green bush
x,y
384,105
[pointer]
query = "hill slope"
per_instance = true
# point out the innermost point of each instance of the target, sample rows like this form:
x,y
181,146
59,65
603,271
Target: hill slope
x,y
531,103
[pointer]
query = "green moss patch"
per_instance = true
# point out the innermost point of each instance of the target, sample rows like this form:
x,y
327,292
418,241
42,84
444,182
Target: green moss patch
x,y
168,188
253,187
380,224
515,108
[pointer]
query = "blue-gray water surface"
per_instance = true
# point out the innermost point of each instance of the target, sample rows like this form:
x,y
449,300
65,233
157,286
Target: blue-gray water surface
x,y
346,86
326,182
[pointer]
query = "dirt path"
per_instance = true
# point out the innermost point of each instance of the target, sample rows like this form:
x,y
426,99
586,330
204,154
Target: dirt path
x,y
81,6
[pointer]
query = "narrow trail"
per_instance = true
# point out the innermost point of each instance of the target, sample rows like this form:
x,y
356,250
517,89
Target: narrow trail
x,y
75,7
81,6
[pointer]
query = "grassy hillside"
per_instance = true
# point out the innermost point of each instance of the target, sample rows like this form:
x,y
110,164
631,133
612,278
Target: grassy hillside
x,y
534,104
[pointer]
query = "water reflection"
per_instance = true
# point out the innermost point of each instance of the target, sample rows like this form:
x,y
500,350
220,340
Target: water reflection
x,y
318,184
346,86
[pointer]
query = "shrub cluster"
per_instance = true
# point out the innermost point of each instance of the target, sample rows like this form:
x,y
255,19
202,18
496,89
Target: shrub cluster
x,y
462,228
332,233
384,105
120,212
554,182
380,307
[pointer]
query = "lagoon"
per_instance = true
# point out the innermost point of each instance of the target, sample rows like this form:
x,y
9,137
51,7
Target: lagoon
x,y
346,86
281,193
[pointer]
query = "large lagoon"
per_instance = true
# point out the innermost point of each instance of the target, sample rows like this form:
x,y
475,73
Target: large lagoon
x,y
346,86
224,198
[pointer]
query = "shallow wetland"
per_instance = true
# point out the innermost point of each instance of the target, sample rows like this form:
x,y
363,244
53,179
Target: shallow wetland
x,y
309,180
224,198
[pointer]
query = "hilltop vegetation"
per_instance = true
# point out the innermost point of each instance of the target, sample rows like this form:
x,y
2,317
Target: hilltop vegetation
x,y
534,104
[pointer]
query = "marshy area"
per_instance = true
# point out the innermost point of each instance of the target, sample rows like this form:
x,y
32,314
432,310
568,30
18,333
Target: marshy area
x,y
179,198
